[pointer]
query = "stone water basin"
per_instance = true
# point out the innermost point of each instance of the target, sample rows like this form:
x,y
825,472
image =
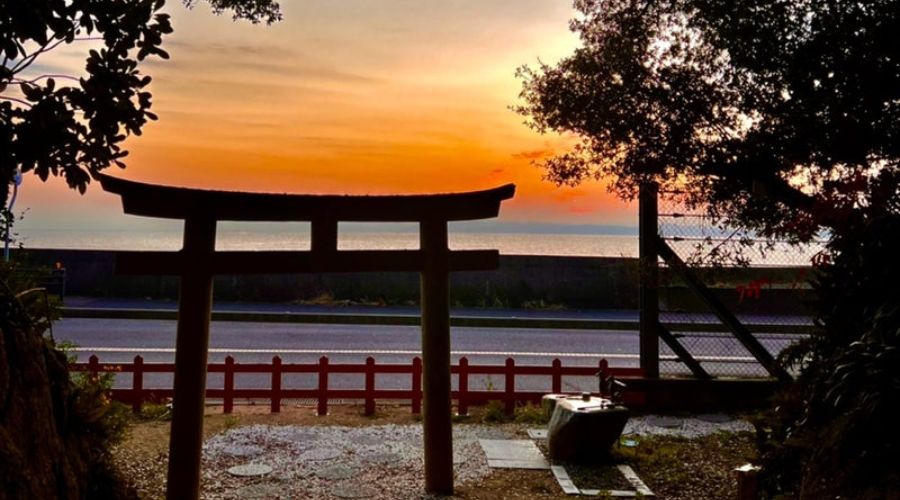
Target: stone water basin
x,y
584,428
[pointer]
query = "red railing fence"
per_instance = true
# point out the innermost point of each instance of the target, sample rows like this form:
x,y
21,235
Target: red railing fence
x,y
510,396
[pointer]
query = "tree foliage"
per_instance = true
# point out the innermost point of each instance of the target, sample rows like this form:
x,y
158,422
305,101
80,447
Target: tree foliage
x,y
782,118
793,100
74,126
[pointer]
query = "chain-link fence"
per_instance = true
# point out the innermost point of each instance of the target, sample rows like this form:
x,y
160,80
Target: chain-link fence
x,y
763,283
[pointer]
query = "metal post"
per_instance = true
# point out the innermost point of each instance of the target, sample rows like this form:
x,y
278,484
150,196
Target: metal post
x,y
649,280
435,298
194,307
17,180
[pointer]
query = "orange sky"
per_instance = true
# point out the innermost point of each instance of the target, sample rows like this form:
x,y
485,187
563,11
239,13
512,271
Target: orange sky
x,y
350,96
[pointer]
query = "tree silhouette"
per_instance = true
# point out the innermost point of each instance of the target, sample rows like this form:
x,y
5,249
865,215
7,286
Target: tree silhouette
x,y
770,111
57,124
782,118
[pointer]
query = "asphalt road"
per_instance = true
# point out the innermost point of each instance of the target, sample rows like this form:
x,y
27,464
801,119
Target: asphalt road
x,y
119,340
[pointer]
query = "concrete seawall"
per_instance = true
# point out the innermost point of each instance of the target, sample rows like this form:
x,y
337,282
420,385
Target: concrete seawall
x,y
581,282
520,281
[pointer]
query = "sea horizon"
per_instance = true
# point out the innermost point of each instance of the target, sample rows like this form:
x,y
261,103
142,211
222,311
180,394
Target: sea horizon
x,y
508,243
564,243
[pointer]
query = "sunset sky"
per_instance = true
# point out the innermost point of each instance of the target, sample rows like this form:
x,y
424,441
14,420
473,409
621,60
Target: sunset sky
x,y
344,96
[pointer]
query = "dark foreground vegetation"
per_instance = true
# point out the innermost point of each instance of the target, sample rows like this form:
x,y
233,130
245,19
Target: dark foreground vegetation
x,y
56,430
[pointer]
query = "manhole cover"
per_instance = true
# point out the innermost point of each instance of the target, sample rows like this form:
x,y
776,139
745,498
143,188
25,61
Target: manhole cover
x,y
262,490
318,454
715,418
250,470
242,450
336,472
353,491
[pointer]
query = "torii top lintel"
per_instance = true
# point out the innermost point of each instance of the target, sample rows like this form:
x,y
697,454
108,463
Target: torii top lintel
x,y
182,203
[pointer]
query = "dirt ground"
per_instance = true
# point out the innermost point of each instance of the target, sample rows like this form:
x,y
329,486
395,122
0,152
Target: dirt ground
x,y
673,468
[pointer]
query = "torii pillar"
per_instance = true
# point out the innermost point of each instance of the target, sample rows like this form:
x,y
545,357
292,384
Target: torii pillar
x,y
198,262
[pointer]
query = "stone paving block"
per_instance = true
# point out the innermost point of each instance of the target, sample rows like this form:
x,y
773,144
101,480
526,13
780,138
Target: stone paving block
x,y
513,454
565,482
250,470
635,481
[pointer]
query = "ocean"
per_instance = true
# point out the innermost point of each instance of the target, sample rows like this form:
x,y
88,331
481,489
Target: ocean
x,y
587,245
508,243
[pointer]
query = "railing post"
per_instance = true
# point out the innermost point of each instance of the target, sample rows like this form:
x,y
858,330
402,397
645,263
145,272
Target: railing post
x,y
557,376
94,368
276,385
602,376
323,386
137,384
228,386
416,385
510,386
462,405
370,386
648,273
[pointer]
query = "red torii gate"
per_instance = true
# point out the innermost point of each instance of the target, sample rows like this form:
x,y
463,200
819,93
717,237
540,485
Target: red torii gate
x,y
198,261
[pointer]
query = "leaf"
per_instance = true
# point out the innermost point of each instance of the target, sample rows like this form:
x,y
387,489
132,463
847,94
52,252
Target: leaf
x,y
31,91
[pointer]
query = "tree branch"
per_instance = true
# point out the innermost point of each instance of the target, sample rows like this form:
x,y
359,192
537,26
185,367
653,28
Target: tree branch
x,y
16,99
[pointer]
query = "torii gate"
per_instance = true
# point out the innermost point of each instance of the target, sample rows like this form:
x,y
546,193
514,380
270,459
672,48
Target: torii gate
x,y
197,262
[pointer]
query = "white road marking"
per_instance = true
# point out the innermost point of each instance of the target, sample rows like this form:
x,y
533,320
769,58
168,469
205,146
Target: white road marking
x,y
221,350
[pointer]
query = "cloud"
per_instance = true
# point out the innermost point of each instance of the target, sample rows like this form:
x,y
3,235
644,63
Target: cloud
x,y
265,61
536,154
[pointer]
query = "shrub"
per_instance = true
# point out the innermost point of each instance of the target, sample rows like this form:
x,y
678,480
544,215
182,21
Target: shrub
x,y
834,431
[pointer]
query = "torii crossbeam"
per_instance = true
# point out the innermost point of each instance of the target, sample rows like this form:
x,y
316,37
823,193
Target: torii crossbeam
x,y
198,261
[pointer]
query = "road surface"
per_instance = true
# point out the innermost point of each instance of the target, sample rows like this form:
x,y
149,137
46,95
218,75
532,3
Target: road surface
x,y
119,340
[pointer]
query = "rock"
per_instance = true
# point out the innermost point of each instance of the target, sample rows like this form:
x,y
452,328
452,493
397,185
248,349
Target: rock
x,y
584,429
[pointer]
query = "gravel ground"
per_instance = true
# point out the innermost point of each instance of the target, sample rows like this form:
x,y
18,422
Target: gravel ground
x,y
350,456
686,427
379,462
353,462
